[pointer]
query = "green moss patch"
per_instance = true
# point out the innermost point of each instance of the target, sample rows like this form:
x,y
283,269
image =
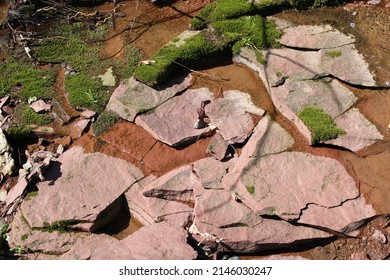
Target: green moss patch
x,y
229,9
25,81
68,44
104,122
320,124
59,226
197,50
250,189
86,92
333,54
251,31
29,116
19,132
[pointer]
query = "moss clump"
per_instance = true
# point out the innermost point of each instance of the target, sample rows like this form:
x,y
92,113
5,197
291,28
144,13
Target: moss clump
x,y
104,122
19,132
85,92
69,46
29,116
320,124
333,54
229,9
250,189
251,31
196,50
123,69
31,195
25,81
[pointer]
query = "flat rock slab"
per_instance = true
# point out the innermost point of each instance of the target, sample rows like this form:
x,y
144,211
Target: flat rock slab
x,y
331,96
173,121
282,185
168,198
348,65
296,89
210,171
268,138
217,147
313,37
230,115
268,234
159,241
79,188
40,106
134,97
77,129
22,235
360,132
351,211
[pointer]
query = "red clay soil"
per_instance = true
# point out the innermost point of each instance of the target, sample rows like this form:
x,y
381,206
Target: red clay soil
x,y
147,26
132,143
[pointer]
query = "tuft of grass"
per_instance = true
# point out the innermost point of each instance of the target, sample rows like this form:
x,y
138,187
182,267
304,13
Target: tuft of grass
x,y
320,124
25,81
85,92
333,54
104,122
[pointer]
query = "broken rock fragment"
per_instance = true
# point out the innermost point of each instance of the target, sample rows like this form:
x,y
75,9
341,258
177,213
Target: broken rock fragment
x,y
159,241
78,191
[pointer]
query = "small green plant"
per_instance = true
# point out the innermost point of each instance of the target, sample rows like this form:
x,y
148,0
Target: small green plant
x,y
333,54
250,189
320,124
104,122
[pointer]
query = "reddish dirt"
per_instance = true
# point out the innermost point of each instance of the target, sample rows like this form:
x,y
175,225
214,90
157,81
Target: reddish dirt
x,y
132,143
147,26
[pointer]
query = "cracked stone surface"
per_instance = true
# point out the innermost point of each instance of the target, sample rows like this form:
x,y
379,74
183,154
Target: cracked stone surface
x,y
297,89
284,184
350,212
313,37
77,188
159,241
133,97
22,235
165,125
7,163
211,171
229,116
167,198
360,132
